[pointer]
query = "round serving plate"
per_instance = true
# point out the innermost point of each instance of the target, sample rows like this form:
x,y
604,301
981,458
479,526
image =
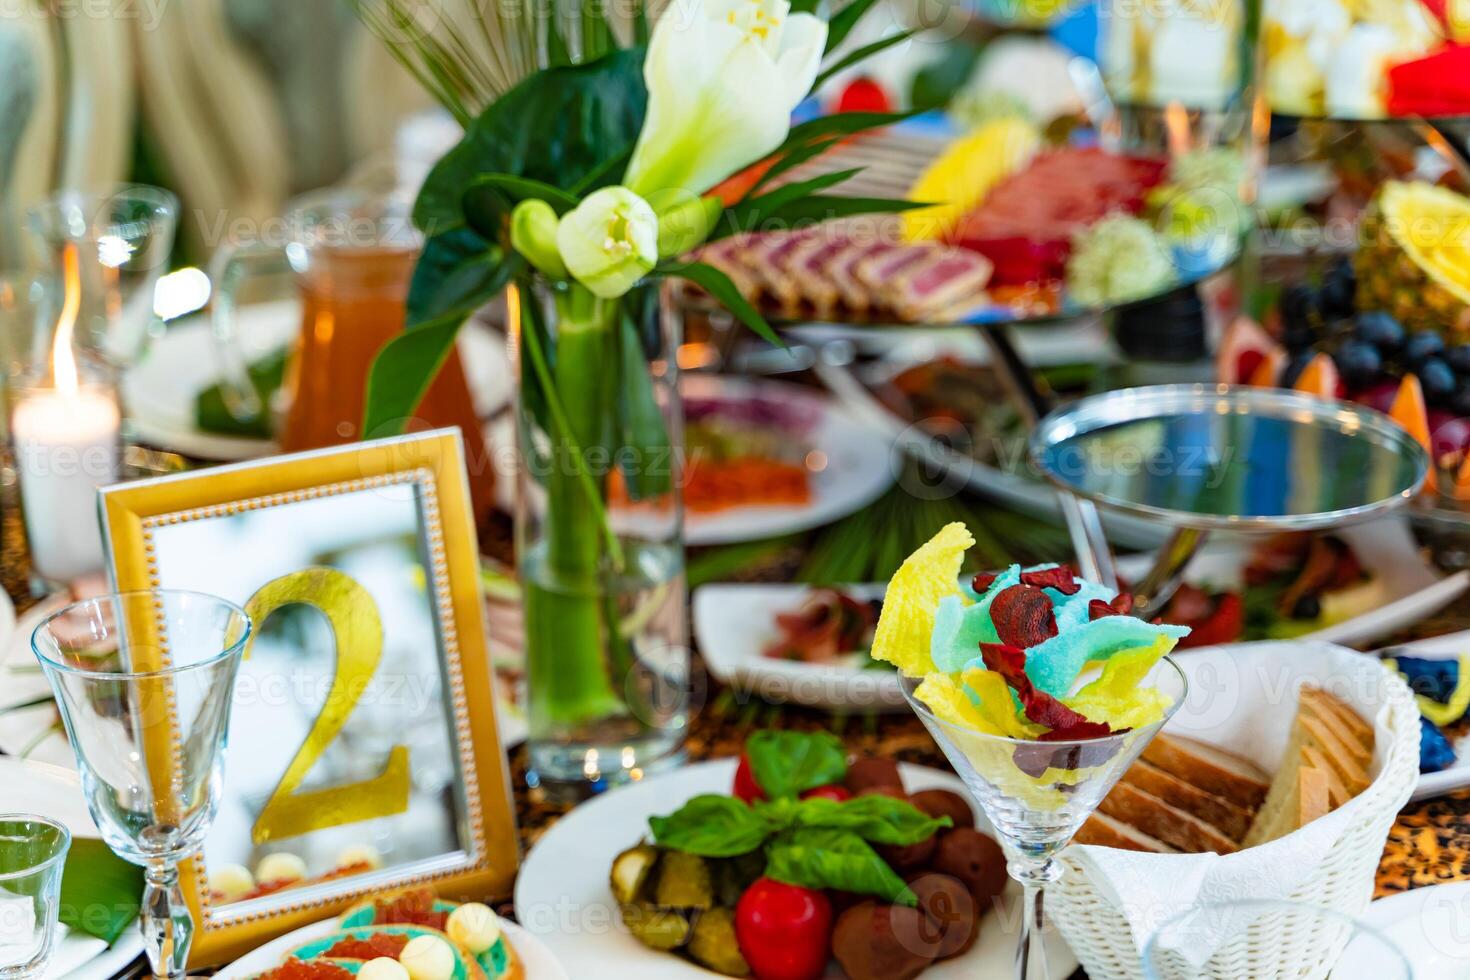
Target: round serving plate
x,y
538,961
562,893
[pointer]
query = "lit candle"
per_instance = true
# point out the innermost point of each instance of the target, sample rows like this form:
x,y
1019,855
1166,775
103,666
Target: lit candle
x,y
66,446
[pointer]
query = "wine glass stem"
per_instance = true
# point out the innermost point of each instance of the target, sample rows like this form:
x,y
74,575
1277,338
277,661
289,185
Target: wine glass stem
x,y
167,926
1034,876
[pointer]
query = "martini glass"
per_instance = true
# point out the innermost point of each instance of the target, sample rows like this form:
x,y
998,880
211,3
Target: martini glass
x,y
144,681
1037,794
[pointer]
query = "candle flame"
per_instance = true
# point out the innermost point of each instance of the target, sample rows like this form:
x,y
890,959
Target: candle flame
x,y
63,353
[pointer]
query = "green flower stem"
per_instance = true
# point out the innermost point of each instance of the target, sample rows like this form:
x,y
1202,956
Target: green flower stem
x,y
568,627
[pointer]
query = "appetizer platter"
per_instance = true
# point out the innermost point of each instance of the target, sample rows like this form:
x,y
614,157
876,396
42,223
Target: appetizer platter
x,y
572,865
796,643
763,458
409,935
1034,228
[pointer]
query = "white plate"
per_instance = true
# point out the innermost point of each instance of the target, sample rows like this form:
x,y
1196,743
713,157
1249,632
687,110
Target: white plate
x,y
538,961
24,731
734,622
32,787
562,894
1446,647
1028,496
1412,588
160,392
859,465
1426,924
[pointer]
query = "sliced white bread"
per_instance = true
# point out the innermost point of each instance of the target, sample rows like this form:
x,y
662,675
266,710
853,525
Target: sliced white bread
x,y
1214,770
1106,831
1229,818
1169,824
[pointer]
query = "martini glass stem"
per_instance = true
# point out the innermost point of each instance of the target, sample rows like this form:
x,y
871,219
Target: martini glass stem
x,y
167,927
1034,875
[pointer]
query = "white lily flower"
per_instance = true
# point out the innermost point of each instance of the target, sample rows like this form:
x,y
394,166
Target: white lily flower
x,y
609,241
723,77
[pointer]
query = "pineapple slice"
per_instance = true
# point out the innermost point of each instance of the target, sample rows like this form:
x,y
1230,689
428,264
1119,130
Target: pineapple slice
x,y
961,176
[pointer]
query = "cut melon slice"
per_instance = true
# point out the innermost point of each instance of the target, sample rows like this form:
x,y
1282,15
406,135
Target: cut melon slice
x,y
965,172
1320,378
1243,349
1408,410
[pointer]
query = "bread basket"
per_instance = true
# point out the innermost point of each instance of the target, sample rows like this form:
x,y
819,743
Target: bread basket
x,y
1261,680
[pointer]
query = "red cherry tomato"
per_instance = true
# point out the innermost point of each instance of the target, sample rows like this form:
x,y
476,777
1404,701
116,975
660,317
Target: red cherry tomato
x,y
784,932
746,788
832,792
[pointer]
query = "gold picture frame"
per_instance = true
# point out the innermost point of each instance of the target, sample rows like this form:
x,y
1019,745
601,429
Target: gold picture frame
x,y
142,524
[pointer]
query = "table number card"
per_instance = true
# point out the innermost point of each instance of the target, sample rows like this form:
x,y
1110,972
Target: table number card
x,y
363,751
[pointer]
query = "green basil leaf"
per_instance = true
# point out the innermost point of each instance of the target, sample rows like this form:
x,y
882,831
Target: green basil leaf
x,y
787,764
840,859
875,818
711,825
556,126
718,285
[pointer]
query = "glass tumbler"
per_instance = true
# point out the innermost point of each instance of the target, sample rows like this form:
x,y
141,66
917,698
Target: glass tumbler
x,y
32,855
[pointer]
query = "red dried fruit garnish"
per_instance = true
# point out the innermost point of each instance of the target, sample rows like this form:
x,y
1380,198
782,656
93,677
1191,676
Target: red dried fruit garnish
x,y
1121,605
984,580
389,944
414,908
1223,624
294,969
1039,707
1023,616
1059,578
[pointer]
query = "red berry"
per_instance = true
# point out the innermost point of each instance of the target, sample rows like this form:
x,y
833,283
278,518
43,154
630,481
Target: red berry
x,y
784,932
864,95
746,788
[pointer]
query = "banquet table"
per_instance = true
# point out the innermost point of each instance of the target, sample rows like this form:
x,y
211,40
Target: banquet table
x,y
1429,844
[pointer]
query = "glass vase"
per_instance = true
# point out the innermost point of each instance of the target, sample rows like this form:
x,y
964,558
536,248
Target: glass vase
x,y
599,522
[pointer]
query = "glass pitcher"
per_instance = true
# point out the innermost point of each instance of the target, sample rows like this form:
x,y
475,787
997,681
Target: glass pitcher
x,y
351,251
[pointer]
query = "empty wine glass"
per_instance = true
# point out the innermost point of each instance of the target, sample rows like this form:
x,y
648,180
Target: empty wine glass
x,y
1287,939
32,853
1037,794
144,681
121,237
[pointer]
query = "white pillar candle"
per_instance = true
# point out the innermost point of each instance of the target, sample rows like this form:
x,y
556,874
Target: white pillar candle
x,y
66,446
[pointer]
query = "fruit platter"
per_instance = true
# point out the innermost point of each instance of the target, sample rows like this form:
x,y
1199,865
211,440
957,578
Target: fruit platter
x,y
1387,327
1036,224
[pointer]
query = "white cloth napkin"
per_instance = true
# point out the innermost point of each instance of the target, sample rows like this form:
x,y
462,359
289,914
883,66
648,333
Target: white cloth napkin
x,y
1242,698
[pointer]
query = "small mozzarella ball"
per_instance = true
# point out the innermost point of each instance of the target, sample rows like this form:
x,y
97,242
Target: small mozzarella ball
x,y
231,881
359,854
427,958
474,926
281,866
382,968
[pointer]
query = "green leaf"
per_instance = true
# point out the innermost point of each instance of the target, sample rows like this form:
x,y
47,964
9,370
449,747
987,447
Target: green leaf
x,y
842,23
837,859
519,189
817,208
402,372
711,825
718,285
935,85
795,158
457,272
556,126
862,54
648,461
840,124
786,764
875,818
747,214
99,890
